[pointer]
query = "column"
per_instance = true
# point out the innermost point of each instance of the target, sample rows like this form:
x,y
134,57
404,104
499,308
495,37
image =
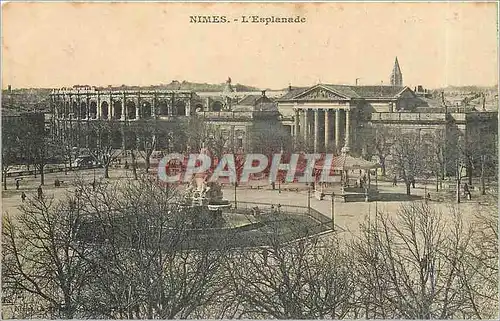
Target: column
x,y
296,124
306,126
88,107
99,109
124,110
327,129
337,129
347,126
188,107
171,105
153,108
138,107
78,108
111,108
316,130
207,104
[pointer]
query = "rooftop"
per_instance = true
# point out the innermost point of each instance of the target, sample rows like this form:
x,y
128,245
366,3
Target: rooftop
x,y
349,91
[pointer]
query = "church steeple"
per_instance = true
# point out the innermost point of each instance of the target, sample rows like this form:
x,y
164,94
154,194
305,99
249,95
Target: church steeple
x,y
396,75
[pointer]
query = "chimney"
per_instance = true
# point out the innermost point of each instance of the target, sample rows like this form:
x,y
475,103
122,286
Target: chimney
x,y
289,87
9,88
263,93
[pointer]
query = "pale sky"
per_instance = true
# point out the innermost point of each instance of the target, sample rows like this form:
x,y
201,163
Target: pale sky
x,y
62,44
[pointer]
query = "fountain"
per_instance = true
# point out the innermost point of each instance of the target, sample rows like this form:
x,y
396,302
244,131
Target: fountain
x,y
207,197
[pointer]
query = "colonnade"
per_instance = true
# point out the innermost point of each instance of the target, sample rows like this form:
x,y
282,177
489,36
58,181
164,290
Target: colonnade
x,y
120,105
306,126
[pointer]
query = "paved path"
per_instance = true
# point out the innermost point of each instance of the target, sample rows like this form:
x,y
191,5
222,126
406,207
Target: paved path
x,y
348,215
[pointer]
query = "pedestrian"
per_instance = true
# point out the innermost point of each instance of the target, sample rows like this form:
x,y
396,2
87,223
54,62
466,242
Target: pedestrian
x,y
279,208
23,196
394,181
413,182
466,189
93,185
40,192
17,184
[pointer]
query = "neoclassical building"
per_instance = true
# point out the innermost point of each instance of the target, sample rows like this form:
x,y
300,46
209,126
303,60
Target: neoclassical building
x,y
326,117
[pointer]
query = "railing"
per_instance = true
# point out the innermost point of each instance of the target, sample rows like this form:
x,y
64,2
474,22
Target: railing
x,y
236,114
408,117
289,209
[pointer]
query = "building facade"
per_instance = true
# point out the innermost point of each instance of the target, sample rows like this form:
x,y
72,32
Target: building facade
x,y
326,117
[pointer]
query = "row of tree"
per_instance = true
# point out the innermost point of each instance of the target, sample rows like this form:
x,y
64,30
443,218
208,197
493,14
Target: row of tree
x,y
410,154
108,140
417,264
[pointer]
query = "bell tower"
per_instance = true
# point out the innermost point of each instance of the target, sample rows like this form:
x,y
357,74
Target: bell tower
x,y
396,75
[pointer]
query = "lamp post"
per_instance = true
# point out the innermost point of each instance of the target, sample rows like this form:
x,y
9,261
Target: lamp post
x,y
279,176
70,134
235,199
333,211
309,199
93,181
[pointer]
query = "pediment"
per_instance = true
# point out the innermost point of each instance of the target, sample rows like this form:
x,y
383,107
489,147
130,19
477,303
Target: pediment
x,y
319,93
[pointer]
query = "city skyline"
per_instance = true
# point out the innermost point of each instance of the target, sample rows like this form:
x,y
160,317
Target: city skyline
x,y
437,44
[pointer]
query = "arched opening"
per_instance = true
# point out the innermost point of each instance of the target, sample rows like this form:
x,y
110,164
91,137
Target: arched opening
x,y
58,108
67,108
75,111
163,108
93,110
104,110
117,109
217,106
180,108
83,110
145,110
130,108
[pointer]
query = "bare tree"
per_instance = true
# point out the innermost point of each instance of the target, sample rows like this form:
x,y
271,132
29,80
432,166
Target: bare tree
x,y
479,270
270,138
113,252
147,138
42,260
299,280
146,267
108,144
378,140
411,265
10,149
408,156
435,147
